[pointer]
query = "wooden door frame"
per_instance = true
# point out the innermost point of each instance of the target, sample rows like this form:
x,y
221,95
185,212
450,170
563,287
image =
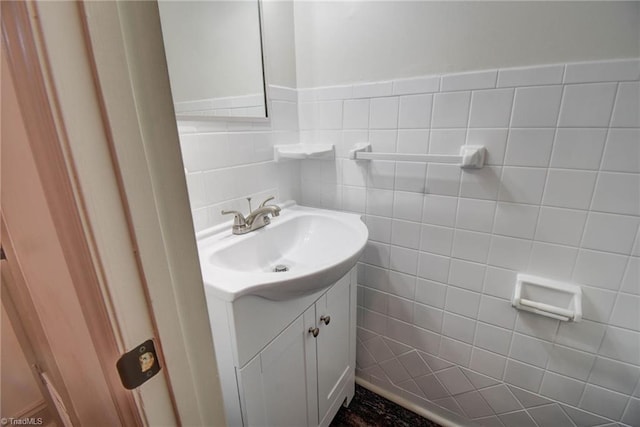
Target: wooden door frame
x,y
47,148
117,193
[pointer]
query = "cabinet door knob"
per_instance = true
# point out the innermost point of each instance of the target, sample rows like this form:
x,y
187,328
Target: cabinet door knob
x,y
314,331
325,319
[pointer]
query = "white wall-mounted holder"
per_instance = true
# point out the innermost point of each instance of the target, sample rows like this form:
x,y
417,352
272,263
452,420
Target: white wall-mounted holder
x,y
471,156
546,297
303,151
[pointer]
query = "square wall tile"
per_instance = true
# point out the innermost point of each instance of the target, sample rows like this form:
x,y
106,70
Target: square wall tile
x,y
407,206
587,105
405,233
381,174
578,148
522,185
561,226
562,389
492,338
475,215
428,317
402,285
611,233
446,141
622,152
631,277
530,350
400,308
462,302
600,269
413,141
403,260
455,352
379,202
451,110
436,239
552,261
491,108
604,402
585,335
439,210
458,327
597,303
433,267
632,413
617,193
481,183
516,220
571,363
497,311
415,111
471,245
487,363
467,275
509,253
622,345
410,176
529,147
383,113
499,282
494,140
569,188
626,111
523,375
613,375
329,115
443,179
536,106
356,114
430,292
537,326
383,141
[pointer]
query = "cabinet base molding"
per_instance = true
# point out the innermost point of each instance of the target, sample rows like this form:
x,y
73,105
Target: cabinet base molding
x,y
444,421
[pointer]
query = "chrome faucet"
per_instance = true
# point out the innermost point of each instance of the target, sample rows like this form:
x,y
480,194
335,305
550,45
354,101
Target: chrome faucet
x,y
256,219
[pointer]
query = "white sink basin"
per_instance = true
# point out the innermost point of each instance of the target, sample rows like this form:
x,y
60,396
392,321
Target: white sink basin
x,y
316,246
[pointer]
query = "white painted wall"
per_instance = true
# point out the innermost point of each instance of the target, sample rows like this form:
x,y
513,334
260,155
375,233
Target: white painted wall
x,y
212,48
346,42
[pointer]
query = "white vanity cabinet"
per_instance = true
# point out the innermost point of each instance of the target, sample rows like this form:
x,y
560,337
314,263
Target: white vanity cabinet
x,y
286,363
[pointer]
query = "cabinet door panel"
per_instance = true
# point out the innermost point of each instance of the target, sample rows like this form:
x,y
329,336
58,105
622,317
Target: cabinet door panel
x,y
274,383
333,347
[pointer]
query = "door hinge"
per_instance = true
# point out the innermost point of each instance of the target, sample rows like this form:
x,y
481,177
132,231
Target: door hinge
x,y
138,365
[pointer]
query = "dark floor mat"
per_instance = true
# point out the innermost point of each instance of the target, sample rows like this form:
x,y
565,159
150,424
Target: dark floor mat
x,y
367,409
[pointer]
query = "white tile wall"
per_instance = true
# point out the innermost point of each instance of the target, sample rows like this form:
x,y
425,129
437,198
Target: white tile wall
x,y
560,197
228,160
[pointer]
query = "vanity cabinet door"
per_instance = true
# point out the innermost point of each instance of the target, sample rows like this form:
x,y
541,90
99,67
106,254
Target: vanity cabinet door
x,y
333,349
274,386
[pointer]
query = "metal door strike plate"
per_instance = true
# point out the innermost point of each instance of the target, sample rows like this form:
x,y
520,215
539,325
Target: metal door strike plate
x,y
138,365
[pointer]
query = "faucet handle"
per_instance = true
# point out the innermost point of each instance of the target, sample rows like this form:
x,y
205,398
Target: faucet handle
x,y
263,204
239,219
